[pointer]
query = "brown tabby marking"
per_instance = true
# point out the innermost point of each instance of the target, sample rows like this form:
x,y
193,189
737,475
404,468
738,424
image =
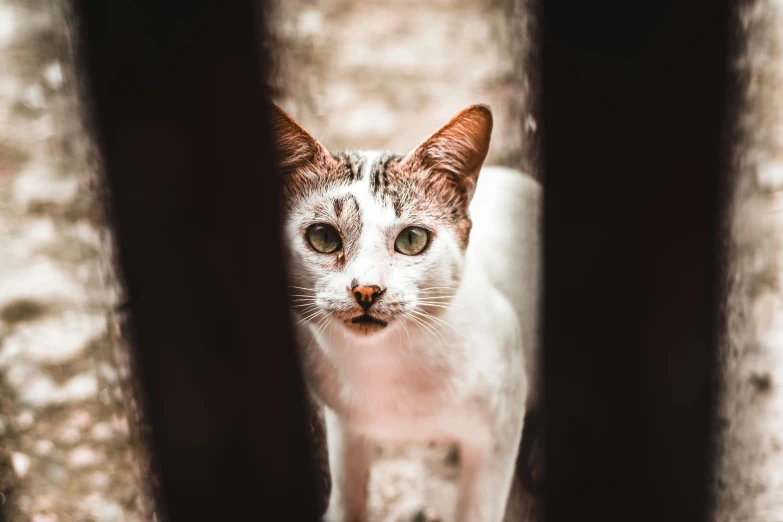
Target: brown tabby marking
x,y
436,179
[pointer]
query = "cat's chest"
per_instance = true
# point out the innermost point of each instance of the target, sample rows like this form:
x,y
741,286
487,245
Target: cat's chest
x,y
394,381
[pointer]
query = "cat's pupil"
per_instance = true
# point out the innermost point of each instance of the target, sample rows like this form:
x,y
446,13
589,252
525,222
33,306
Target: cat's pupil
x,y
410,237
324,238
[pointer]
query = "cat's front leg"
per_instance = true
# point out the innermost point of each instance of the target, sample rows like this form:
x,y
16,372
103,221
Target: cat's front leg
x,y
350,454
487,471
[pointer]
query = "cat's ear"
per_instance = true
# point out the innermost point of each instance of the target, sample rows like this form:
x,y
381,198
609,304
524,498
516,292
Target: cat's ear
x,y
457,149
295,147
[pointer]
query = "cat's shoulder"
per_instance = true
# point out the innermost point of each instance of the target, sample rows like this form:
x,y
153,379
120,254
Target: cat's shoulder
x,y
497,180
505,238
505,195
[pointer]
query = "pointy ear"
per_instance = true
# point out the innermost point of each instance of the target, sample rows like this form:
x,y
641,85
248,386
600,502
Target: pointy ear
x,y
295,147
457,149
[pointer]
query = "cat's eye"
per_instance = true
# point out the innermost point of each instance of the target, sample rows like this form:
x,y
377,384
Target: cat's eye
x,y
412,241
324,238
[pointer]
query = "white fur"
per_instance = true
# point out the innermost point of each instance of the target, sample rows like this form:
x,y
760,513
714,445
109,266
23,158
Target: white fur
x,y
464,377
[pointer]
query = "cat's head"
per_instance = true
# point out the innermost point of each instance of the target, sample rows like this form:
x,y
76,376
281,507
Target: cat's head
x,y
375,239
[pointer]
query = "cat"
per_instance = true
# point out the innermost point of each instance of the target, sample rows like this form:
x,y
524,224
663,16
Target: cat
x,y
414,291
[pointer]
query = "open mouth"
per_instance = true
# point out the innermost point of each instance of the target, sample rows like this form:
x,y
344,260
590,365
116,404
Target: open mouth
x,y
368,319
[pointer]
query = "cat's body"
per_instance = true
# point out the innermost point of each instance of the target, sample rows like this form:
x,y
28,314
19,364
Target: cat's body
x,y
443,346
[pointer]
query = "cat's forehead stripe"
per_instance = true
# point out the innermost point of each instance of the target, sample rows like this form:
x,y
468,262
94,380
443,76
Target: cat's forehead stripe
x,y
365,207
379,176
346,205
385,186
353,164
368,166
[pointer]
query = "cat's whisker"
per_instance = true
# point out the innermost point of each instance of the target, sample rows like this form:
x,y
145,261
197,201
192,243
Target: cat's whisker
x,y
440,335
301,288
424,325
427,318
442,307
307,311
439,320
326,324
410,317
417,323
407,333
302,295
303,305
322,324
309,292
436,300
428,315
310,317
314,314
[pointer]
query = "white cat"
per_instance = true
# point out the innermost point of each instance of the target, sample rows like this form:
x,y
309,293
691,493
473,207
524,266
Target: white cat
x,y
415,302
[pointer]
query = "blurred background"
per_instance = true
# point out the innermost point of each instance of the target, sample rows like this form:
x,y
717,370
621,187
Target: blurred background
x,y
385,74
357,74
66,450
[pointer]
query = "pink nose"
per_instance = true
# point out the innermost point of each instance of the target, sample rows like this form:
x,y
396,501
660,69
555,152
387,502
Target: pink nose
x,y
366,295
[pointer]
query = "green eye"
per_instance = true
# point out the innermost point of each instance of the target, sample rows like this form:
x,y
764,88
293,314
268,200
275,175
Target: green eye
x,y
412,241
324,238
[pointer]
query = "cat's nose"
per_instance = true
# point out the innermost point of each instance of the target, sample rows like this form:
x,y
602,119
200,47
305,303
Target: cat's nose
x,y
366,295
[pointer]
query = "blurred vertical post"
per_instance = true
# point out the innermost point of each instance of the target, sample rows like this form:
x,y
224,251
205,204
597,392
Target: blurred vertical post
x,y
634,97
749,428
179,109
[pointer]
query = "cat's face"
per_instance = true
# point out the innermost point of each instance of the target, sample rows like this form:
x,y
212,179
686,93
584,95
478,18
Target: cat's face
x,y
375,240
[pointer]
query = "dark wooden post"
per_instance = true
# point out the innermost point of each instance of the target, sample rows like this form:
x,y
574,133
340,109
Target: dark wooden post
x,y
179,109
633,116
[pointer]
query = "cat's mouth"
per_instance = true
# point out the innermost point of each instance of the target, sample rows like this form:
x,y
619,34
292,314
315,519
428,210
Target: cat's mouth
x,y
368,319
365,324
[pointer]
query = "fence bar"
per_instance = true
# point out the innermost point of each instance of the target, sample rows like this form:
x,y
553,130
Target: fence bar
x,y
178,99
633,115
